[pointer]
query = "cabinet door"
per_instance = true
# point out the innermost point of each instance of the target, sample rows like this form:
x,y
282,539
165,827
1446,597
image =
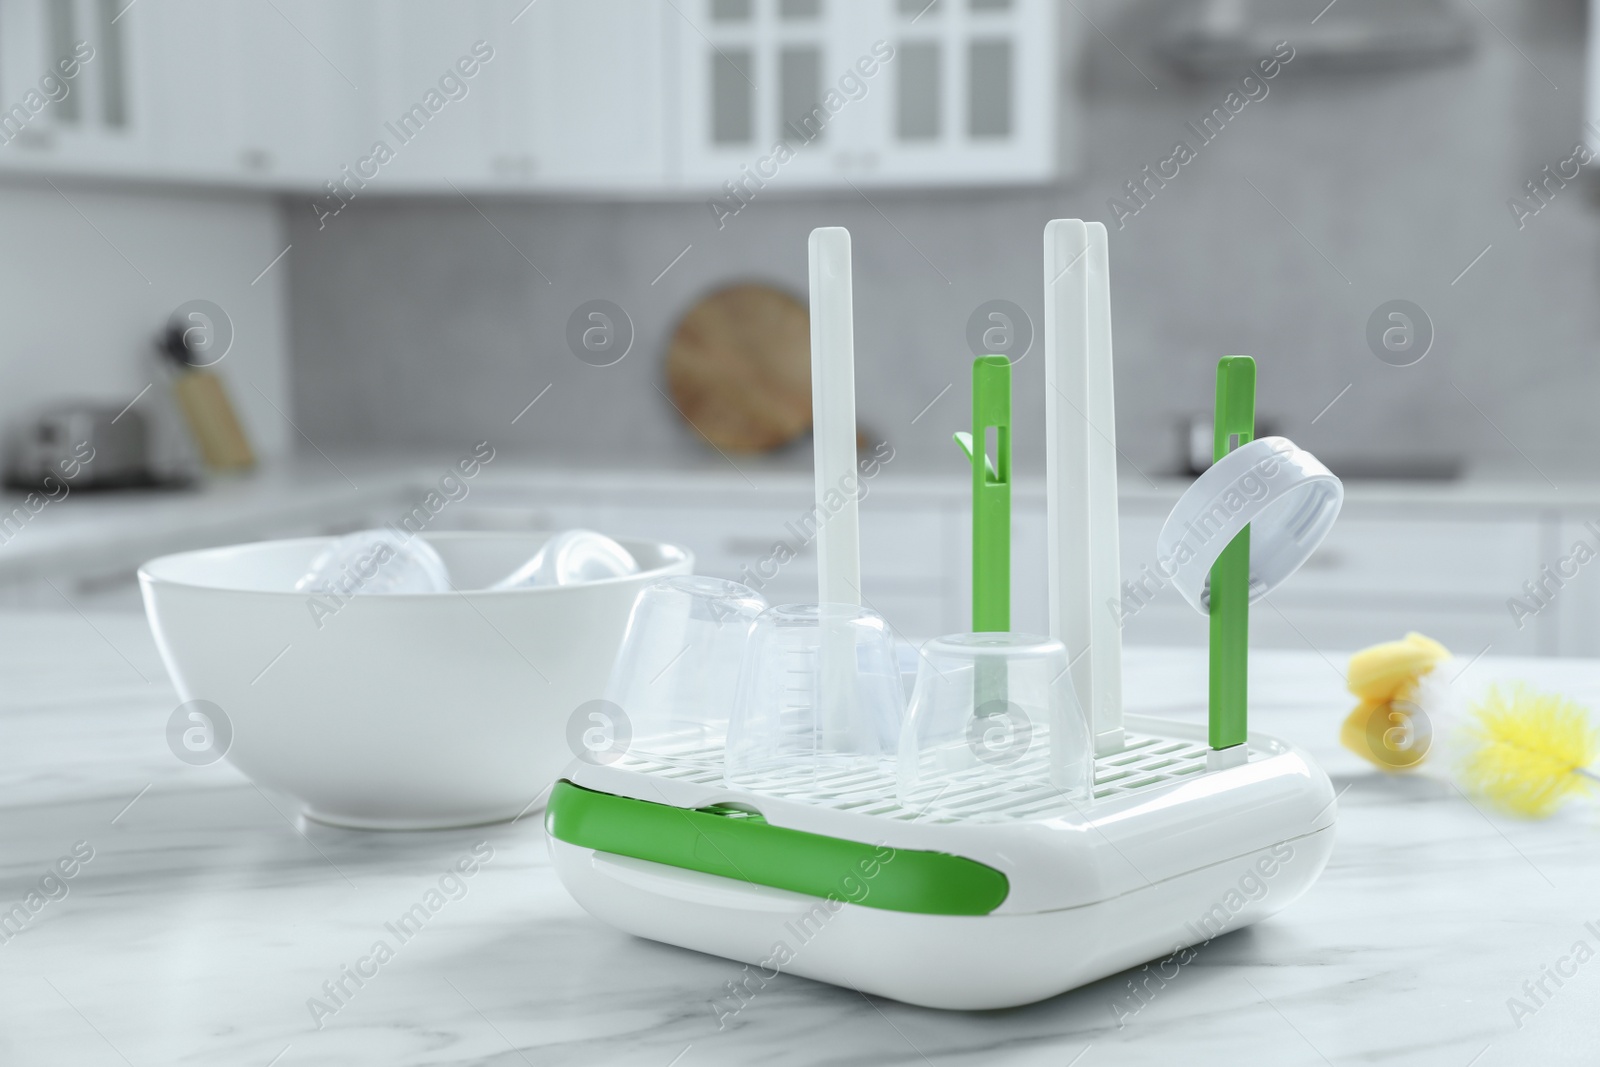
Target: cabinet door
x,y
307,70
197,125
806,93
93,121
971,94
1566,587
770,94
256,92
261,92
437,93
595,117
563,95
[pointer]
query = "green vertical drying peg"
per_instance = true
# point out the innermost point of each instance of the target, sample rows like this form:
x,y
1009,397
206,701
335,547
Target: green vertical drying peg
x,y
991,495
991,518
1230,575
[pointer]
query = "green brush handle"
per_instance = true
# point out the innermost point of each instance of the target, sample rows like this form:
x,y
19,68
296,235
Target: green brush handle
x,y
991,495
1230,575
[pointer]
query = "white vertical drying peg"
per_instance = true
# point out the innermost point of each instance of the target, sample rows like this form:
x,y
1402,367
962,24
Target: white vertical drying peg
x,y
1066,312
1105,565
1081,478
833,416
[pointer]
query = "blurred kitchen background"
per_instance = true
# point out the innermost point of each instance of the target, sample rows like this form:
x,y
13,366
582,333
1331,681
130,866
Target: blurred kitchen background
x,y
265,325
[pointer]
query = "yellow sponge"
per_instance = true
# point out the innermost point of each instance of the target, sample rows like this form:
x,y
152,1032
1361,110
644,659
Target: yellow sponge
x,y
1390,671
1384,728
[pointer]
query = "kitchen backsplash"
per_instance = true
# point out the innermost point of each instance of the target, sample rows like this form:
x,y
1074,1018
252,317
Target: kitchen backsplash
x,y
93,272
431,322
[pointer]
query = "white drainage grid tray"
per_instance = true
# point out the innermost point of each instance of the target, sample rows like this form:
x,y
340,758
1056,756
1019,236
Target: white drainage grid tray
x,y
1021,790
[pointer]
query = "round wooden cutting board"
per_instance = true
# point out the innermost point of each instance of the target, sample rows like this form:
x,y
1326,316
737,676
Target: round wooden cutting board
x,y
739,368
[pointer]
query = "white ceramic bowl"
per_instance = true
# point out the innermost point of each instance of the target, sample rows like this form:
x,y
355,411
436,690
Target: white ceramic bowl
x,y
394,712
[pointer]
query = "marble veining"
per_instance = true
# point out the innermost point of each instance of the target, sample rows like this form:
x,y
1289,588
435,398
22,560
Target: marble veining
x,y
209,916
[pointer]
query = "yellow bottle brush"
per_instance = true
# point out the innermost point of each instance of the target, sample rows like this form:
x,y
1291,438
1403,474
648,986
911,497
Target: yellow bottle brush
x,y
1527,751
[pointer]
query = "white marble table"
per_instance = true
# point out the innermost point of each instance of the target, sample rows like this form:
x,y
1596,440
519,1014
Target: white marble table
x,y
207,918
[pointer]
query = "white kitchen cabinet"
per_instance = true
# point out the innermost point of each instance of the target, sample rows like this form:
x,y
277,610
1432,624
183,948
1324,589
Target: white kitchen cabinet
x,y
95,122
1445,569
262,93
304,78
439,92
489,512
598,110
644,98
1374,579
564,96
253,92
736,542
806,93
1566,599
973,94
196,113
753,80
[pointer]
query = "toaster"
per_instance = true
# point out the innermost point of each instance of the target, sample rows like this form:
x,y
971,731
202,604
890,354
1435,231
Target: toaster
x,y
83,444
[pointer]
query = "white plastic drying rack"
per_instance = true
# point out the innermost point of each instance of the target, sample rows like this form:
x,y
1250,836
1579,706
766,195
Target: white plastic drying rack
x,y
1179,842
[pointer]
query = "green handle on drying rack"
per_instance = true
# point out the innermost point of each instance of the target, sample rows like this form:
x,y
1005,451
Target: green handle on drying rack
x,y
991,494
730,842
1230,576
